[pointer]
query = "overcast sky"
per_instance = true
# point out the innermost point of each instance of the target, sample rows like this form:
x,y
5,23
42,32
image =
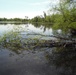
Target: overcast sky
x,y
22,8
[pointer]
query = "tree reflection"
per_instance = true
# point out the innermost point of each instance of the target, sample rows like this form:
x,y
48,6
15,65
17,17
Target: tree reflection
x,y
64,59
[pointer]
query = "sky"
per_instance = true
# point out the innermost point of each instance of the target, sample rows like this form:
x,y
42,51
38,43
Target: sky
x,y
22,8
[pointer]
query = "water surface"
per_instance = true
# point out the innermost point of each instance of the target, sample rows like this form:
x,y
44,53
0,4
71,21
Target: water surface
x,y
38,61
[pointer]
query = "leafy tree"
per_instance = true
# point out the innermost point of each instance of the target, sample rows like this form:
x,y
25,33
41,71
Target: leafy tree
x,y
66,14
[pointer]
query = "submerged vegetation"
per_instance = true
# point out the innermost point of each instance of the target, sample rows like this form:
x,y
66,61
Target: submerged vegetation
x,y
13,40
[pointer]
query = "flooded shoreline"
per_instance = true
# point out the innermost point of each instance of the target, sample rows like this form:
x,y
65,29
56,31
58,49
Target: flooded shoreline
x,y
15,60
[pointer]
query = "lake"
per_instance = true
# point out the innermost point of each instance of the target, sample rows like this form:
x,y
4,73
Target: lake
x,y
15,60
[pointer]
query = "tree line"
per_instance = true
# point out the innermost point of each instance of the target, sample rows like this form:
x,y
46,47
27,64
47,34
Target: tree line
x,y
64,15
13,19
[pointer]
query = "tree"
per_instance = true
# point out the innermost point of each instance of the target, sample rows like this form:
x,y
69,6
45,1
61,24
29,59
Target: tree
x,y
44,14
66,10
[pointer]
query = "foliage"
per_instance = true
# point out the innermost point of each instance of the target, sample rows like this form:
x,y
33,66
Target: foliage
x,y
66,14
15,19
37,19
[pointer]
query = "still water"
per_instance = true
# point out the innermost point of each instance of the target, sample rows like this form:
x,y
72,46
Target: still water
x,y
40,61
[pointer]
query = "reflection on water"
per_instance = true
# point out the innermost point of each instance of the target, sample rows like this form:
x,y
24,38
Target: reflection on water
x,y
46,61
27,27
64,59
17,58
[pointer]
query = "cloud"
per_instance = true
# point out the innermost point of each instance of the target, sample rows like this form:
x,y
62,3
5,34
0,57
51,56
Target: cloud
x,y
55,1
40,3
49,3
